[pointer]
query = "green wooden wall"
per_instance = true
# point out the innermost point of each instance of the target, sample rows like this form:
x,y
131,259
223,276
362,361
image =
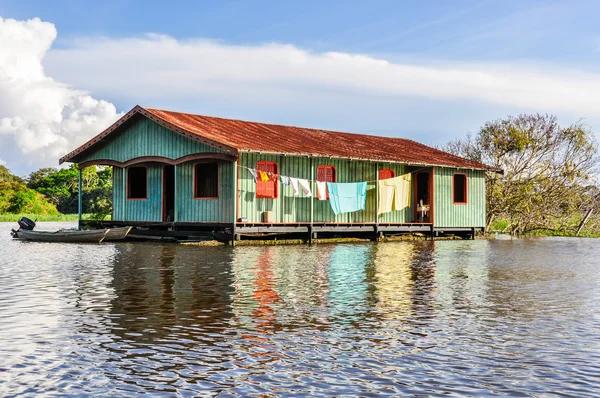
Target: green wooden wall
x,y
138,209
143,137
288,208
446,213
188,209
204,210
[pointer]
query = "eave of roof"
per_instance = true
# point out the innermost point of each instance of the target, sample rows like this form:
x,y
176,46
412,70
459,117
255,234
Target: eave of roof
x,y
233,136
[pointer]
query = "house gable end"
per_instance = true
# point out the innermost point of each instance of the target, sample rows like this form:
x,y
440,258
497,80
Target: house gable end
x,y
143,139
99,144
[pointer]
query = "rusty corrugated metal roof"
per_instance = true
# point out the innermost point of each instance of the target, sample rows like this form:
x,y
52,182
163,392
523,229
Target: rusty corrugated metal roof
x,y
243,136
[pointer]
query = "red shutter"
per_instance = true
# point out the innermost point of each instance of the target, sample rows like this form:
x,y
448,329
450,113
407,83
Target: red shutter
x,y
267,189
385,174
327,174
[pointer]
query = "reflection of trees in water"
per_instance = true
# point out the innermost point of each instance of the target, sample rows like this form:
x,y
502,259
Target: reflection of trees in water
x,y
527,277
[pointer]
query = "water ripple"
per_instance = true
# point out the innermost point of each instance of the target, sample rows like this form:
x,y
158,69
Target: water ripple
x,y
510,317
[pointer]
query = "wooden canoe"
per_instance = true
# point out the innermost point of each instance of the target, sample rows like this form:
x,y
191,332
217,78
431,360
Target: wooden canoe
x,y
117,233
95,236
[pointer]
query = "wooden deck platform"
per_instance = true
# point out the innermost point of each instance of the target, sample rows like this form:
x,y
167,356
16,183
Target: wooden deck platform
x,y
202,231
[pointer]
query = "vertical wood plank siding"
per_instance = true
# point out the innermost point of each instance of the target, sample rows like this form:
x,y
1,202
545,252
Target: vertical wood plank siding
x,y
289,208
143,137
448,214
118,194
204,210
149,209
147,138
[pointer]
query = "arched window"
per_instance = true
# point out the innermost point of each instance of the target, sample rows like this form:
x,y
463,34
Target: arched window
x,y
385,174
267,189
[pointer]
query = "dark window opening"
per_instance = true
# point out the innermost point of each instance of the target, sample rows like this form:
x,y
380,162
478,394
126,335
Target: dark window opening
x,y
168,193
137,183
385,174
206,181
267,189
459,184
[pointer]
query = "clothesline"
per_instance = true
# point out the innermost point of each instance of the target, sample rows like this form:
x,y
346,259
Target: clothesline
x,y
309,180
346,197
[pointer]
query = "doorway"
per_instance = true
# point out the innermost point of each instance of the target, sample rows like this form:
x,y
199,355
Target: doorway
x,y
168,193
423,199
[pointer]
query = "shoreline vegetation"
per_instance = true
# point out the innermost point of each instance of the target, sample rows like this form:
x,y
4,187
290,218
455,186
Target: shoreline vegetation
x,y
548,185
9,217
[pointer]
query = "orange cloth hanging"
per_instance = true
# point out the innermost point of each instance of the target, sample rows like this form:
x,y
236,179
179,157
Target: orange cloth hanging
x,y
263,176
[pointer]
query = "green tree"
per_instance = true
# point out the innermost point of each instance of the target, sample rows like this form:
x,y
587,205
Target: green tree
x,y
15,197
61,187
548,171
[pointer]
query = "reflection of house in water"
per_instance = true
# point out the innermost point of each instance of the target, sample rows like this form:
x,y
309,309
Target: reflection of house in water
x,y
348,285
278,282
158,287
392,279
404,279
170,308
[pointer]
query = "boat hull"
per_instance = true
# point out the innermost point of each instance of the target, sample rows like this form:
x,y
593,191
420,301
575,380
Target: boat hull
x,y
94,236
117,234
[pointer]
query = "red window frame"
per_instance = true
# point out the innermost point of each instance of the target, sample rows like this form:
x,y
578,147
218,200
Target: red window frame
x,y
384,174
267,189
465,189
326,173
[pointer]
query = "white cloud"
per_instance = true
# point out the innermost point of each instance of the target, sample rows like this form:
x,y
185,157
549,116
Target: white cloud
x,y
161,68
45,118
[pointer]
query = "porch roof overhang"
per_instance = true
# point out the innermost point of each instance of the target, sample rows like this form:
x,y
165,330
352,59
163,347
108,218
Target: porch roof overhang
x,y
159,159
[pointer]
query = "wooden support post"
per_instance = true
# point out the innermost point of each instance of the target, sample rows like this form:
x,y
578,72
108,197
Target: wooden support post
x,y
473,233
79,200
125,188
432,233
312,209
234,194
377,202
175,218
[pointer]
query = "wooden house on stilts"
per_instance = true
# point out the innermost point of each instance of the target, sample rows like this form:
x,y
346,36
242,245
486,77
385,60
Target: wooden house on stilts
x,y
184,175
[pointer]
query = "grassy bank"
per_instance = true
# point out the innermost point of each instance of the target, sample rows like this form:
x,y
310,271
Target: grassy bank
x,y
7,217
500,226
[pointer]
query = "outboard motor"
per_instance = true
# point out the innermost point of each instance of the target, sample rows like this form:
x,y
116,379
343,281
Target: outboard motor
x,y
26,223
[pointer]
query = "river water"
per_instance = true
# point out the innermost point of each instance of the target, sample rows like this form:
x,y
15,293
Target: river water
x,y
512,317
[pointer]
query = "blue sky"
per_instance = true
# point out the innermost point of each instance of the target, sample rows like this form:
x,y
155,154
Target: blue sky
x,y
148,52
560,31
